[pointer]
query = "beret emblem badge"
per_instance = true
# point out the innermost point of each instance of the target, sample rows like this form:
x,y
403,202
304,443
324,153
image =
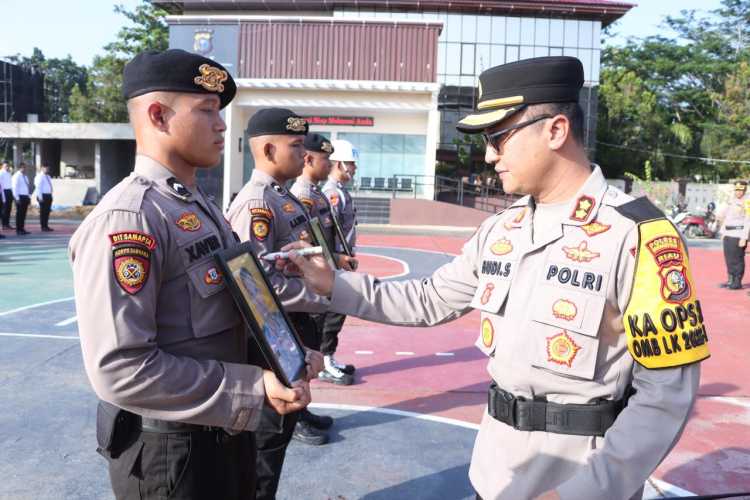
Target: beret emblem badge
x,y
211,78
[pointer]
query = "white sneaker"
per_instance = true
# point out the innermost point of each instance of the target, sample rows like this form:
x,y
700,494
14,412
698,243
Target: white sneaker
x,y
331,361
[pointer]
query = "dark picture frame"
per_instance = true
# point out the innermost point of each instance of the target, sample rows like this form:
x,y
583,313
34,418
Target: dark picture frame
x,y
317,231
262,311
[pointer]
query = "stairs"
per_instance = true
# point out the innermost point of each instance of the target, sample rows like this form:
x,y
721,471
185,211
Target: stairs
x,y
373,210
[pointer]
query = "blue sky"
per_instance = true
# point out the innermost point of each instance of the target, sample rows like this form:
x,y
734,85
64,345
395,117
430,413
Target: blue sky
x,y
59,29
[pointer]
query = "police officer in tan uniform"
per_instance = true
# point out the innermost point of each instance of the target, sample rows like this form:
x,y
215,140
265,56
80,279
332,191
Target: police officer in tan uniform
x,y
163,345
265,213
735,228
344,158
588,308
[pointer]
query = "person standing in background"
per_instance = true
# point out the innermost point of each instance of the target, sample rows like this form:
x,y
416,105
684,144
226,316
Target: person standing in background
x,y
43,185
734,232
21,192
6,186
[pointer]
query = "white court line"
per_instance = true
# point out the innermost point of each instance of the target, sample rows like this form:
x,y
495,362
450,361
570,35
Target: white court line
x,y
743,402
663,485
403,263
413,250
67,321
444,354
38,336
40,304
404,353
363,352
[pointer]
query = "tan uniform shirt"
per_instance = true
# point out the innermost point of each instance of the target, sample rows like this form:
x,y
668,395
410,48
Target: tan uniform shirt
x,y
551,322
735,217
160,334
344,209
268,215
317,206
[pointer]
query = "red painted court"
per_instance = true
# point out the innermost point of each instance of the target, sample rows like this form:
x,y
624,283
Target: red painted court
x,y
438,371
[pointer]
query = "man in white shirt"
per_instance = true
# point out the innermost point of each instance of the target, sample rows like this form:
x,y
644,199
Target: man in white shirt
x,y
21,194
43,184
7,190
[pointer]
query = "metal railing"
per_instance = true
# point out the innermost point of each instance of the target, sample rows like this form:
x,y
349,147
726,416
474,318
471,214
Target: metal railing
x,y
436,187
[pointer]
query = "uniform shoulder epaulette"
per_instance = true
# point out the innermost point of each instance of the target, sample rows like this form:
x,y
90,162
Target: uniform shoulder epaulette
x,y
127,195
640,210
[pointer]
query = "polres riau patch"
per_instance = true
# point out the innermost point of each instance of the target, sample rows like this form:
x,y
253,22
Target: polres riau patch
x,y
663,319
131,259
260,226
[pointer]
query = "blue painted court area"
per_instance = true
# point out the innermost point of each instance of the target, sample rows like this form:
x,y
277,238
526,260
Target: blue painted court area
x,y
48,410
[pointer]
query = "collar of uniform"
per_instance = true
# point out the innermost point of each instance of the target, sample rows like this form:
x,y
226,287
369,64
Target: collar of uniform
x,y
584,206
160,175
266,179
305,182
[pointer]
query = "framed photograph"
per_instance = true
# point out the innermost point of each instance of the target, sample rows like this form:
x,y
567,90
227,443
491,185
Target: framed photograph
x,y
320,239
262,311
340,234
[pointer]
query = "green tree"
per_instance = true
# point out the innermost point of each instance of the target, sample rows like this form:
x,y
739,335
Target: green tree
x,y
61,78
101,99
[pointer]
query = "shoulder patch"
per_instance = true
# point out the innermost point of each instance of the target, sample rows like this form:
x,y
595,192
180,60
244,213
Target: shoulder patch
x,y
263,212
640,210
663,319
308,203
131,259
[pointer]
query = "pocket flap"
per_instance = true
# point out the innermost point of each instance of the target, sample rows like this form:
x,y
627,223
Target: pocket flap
x,y
569,309
491,294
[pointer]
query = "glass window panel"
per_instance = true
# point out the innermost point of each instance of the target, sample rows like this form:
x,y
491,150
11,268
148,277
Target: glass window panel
x,y
413,164
442,16
597,37
497,54
430,16
526,52
511,53
512,30
414,15
541,51
453,28
555,51
585,34
382,15
568,51
484,29
414,144
483,60
595,63
556,32
452,80
441,58
452,58
585,56
392,143
467,58
498,29
467,81
527,31
541,32
468,28
571,33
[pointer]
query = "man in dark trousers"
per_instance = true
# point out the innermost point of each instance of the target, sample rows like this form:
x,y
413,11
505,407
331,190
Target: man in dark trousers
x,y
21,193
43,186
6,186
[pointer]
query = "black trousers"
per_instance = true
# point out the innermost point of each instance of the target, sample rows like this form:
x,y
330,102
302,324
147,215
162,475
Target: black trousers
x,y
734,256
45,206
275,431
331,326
7,207
21,207
189,465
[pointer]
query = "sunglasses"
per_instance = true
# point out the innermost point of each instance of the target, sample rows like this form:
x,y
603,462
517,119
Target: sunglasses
x,y
497,140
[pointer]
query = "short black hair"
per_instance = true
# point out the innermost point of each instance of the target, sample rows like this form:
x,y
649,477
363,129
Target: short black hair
x,y
571,110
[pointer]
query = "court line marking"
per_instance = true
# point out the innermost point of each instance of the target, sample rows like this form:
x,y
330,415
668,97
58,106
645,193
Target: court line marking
x,y
403,263
404,353
727,399
444,354
67,321
363,352
32,306
38,336
663,485
409,249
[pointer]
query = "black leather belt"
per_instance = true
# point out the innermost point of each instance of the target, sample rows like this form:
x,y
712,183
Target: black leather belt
x,y
539,415
164,427
733,228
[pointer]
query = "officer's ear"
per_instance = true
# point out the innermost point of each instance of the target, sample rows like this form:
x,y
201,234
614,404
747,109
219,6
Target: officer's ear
x,y
269,151
557,131
308,160
159,114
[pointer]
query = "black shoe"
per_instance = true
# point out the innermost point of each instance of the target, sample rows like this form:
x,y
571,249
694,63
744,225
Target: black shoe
x,y
2,237
8,227
22,232
309,435
724,285
47,229
735,283
321,422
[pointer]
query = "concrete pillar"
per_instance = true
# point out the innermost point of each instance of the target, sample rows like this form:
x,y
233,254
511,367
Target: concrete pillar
x,y
17,153
98,168
234,146
36,150
430,152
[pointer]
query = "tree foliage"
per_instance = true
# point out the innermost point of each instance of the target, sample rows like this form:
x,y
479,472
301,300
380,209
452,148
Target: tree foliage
x,y
100,100
672,99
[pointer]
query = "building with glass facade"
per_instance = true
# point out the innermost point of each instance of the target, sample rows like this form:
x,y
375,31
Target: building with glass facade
x,y
393,77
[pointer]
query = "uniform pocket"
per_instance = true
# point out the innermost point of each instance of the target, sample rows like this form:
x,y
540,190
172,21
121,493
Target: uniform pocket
x,y
565,328
212,309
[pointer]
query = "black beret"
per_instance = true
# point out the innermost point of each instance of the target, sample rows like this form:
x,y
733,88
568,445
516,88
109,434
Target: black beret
x,y
276,121
508,88
317,142
176,70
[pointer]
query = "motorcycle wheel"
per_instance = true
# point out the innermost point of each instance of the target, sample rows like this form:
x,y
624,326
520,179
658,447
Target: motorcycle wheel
x,y
693,231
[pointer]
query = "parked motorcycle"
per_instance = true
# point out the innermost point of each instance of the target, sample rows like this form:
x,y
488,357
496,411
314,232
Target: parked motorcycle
x,y
698,225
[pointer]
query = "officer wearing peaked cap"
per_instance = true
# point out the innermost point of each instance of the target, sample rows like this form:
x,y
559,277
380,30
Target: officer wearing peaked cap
x,y
265,213
735,231
581,289
163,345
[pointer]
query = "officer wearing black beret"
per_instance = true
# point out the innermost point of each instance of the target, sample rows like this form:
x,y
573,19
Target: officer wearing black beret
x,y
579,287
268,215
164,346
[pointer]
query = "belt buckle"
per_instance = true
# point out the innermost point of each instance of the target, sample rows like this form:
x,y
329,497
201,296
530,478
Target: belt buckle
x,y
509,407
